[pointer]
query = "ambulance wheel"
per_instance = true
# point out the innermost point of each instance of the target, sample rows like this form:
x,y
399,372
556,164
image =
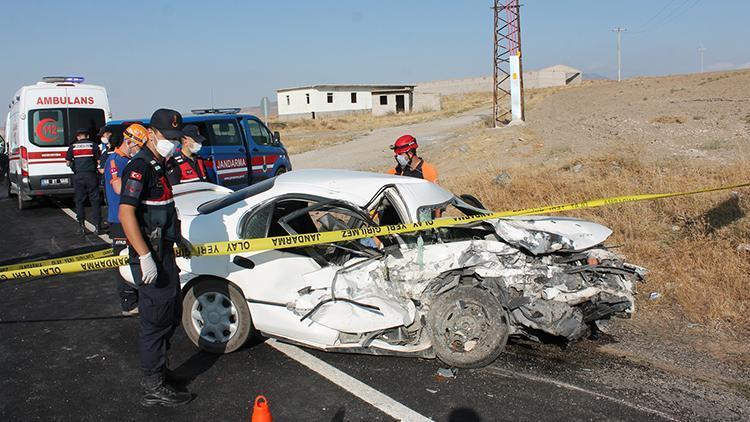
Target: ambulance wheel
x,y
10,191
468,326
280,171
215,316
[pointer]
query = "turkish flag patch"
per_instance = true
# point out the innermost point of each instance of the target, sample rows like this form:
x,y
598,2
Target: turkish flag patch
x,y
135,175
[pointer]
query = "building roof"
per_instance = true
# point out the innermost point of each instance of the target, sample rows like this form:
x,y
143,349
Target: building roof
x,y
323,87
560,68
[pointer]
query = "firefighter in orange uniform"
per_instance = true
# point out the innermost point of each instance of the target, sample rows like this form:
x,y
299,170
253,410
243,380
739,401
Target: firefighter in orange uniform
x,y
409,163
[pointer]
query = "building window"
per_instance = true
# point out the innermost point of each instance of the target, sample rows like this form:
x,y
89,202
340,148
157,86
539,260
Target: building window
x,y
287,100
330,98
307,98
383,100
354,97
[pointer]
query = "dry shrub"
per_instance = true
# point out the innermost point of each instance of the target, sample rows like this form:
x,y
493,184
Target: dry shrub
x,y
668,120
688,243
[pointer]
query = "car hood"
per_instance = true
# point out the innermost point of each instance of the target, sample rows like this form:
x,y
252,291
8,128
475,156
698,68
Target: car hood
x,y
543,235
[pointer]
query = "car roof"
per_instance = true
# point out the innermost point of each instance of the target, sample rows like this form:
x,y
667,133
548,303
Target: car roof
x,y
356,187
187,118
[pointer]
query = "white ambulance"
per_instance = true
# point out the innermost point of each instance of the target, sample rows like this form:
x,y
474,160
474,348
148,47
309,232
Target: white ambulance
x,y
40,125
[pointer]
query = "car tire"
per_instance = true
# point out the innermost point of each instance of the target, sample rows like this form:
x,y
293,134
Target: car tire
x,y
468,326
10,188
280,171
222,323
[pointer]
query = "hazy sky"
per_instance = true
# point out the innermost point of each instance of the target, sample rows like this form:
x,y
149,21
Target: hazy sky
x,y
172,53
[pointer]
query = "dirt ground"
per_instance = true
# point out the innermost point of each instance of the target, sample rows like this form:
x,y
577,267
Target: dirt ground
x,y
605,138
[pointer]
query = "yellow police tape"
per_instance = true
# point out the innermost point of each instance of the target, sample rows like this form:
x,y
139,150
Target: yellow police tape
x,y
56,261
310,239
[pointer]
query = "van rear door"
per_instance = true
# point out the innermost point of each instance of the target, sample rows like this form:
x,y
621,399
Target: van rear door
x,y
227,152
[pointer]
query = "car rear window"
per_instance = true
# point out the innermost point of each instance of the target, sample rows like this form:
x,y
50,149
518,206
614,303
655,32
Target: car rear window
x,y
53,127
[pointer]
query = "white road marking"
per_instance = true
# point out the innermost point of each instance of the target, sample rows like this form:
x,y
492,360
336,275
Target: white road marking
x,y
356,387
89,226
511,374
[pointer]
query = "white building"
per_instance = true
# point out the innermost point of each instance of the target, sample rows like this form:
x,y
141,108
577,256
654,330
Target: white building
x,y
315,101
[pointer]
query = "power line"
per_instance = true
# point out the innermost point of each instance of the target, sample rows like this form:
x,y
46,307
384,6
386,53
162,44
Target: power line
x,y
677,11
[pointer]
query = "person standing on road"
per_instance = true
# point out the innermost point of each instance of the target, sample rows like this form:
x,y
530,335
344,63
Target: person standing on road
x,y
149,218
187,166
408,163
105,147
83,159
134,137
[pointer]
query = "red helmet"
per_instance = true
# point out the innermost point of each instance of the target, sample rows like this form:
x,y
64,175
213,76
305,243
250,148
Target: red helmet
x,y
404,144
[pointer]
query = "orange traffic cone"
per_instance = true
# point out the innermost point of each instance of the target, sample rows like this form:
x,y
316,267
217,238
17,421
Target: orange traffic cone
x,y
261,412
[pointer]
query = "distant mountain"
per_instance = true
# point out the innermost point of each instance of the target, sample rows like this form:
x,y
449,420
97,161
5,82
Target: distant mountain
x,y
255,110
594,77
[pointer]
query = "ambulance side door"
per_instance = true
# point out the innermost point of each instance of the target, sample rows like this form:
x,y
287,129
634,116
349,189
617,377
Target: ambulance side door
x,y
227,152
263,151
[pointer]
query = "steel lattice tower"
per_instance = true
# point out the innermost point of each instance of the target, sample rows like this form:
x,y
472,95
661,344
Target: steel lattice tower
x,y
507,42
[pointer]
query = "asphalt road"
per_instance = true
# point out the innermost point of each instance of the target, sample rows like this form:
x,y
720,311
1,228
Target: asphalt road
x,y
66,354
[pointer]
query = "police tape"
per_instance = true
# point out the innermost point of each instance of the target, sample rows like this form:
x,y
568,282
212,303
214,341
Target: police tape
x,y
312,239
57,261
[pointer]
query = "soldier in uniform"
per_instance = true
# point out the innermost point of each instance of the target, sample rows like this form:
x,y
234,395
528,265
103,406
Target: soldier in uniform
x,y
187,166
83,159
149,218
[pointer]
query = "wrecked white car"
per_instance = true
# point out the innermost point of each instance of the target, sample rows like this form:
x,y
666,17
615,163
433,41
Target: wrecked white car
x,y
454,293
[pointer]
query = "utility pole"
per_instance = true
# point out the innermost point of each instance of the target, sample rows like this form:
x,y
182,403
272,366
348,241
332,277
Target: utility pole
x,y
619,59
507,75
700,52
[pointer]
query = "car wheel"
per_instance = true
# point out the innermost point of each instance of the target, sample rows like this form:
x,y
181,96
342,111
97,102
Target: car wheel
x,y
469,327
215,316
280,171
10,188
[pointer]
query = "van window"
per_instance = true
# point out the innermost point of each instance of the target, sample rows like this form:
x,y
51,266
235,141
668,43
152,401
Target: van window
x,y
260,135
52,127
47,128
224,133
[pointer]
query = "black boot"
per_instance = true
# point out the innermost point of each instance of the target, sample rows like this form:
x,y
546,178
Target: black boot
x,y
81,228
100,230
156,392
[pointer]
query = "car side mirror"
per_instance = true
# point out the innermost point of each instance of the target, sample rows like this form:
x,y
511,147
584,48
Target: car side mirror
x,y
276,136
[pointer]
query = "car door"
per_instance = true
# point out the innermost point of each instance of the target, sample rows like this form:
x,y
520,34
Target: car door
x,y
279,276
263,150
227,152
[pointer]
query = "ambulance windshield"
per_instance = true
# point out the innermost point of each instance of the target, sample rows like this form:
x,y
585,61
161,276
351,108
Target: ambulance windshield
x,y
54,127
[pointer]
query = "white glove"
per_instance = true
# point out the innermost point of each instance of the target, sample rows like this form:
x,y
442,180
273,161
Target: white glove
x,y
148,269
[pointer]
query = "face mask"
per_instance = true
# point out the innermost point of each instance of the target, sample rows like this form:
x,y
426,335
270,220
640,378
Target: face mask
x,y
402,160
194,147
105,140
165,148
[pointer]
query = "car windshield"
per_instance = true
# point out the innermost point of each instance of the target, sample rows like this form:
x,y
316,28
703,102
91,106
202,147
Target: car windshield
x,y
53,127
